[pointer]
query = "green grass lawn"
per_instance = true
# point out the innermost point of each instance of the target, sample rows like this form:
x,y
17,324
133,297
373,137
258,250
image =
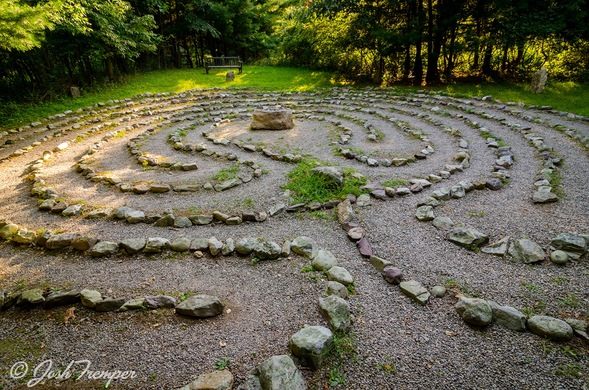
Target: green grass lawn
x,y
566,96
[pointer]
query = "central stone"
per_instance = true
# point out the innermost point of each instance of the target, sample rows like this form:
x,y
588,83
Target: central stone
x,y
272,118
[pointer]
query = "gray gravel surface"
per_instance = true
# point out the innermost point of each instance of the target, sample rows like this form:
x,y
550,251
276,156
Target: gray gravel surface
x,y
399,345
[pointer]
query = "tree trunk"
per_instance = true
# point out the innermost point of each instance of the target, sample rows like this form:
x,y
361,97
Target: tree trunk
x,y
418,64
487,66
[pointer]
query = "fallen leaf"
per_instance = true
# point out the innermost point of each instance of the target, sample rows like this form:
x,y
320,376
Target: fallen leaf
x,y
69,315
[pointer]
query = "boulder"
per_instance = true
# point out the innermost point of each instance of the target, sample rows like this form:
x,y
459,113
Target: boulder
x,y
272,118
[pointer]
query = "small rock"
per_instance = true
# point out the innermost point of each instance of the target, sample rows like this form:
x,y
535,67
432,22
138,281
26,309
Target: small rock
x,y
156,245
303,246
498,248
180,244
379,263
312,345
133,245
526,251
443,223
425,213
544,197
104,248
280,373
200,306
509,317
340,274
109,304
551,328
393,275
336,288
89,298
336,311
474,311
414,290
60,298
438,291
31,297
559,257
323,260
215,246
216,380
364,247
467,237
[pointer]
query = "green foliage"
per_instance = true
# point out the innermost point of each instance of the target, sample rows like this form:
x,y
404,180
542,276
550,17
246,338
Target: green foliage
x,y
222,363
227,173
394,183
308,187
570,300
22,26
570,370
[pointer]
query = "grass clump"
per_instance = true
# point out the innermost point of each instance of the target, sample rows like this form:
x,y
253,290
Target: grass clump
x,y
222,363
227,173
394,183
307,186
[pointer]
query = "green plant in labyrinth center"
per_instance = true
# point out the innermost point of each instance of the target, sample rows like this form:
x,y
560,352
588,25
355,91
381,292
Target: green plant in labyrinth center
x,y
307,186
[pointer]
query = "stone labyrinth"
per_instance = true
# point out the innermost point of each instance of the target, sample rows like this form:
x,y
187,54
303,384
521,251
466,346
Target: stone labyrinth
x,y
161,234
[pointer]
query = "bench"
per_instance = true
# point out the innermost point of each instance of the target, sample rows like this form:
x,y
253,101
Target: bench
x,y
223,62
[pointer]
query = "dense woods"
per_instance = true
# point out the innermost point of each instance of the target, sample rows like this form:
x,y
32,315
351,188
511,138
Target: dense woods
x,y
47,46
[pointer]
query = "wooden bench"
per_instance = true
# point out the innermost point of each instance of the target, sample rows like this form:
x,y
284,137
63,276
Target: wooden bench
x,y
223,62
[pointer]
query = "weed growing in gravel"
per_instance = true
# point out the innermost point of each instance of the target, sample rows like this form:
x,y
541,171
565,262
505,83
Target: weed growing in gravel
x,y
227,173
476,213
394,183
321,214
531,287
308,187
388,366
559,280
307,268
248,202
459,287
555,182
570,300
336,377
570,370
222,363
537,307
